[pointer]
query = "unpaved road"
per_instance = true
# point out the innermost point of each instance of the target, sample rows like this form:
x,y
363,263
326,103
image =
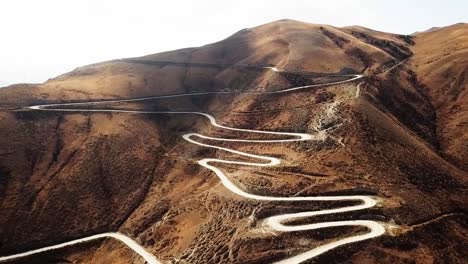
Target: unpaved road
x,y
275,223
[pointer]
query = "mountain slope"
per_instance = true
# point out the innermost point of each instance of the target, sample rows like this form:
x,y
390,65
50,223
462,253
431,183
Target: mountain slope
x,y
70,175
441,64
292,45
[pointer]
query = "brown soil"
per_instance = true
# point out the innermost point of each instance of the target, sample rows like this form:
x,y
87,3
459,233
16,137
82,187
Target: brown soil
x,y
403,139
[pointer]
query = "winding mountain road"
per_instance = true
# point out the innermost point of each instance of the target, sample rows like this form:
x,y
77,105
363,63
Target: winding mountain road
x,y
277,223
148,257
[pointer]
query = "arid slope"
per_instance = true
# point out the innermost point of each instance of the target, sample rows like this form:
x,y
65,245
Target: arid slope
x,y
69,175
441,64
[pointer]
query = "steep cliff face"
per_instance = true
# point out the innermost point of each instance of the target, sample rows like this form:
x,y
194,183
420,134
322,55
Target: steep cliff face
x,y
396,134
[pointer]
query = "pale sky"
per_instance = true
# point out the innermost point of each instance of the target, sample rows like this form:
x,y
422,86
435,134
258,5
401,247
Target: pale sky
x,y
41,39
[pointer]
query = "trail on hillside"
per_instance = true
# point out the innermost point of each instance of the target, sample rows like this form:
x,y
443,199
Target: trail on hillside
x,y
277,223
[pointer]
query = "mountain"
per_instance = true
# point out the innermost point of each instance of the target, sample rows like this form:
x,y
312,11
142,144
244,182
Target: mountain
x,y
396,135
441,63
293,45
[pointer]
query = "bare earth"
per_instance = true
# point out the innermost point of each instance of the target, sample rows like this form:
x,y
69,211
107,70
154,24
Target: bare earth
x,y
398,134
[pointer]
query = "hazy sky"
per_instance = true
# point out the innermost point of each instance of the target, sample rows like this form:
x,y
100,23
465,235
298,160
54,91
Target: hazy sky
x,y
41,39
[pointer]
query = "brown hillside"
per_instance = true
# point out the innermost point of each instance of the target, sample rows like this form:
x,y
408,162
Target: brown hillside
x,y
441,64
70,175
287,44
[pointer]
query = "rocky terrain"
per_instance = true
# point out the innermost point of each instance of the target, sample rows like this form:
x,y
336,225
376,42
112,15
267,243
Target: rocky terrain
x,y
398,134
